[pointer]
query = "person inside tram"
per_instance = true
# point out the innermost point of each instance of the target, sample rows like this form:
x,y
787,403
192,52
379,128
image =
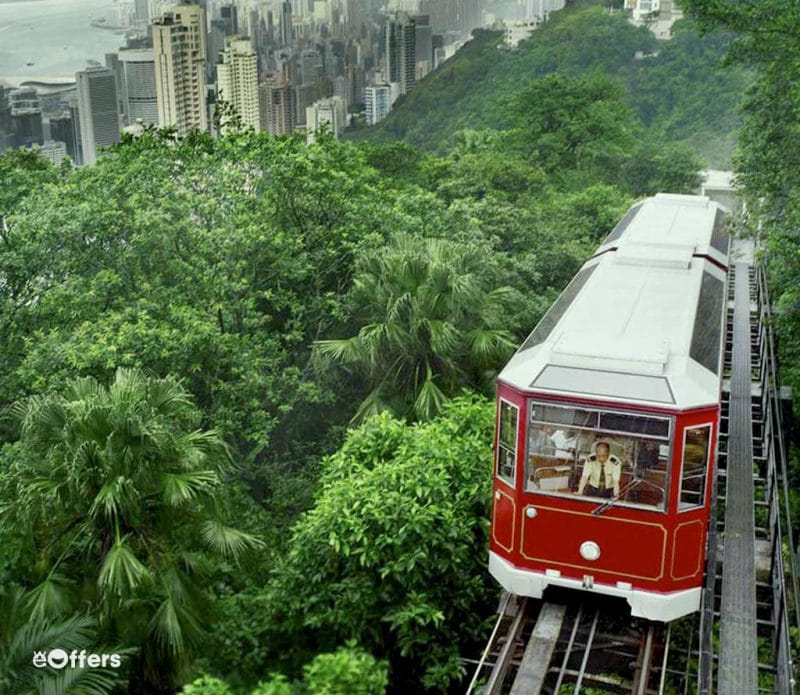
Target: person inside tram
x,y
601,473
648,454
564,444
548,441
541,441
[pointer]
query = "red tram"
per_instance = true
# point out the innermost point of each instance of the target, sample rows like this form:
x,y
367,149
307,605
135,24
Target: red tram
x,y
608,414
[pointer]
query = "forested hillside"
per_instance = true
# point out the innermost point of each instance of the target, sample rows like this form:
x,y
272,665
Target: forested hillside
x,y
675,91
768,42
245,432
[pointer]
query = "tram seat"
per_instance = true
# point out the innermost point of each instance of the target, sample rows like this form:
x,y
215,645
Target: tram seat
x,y
551,474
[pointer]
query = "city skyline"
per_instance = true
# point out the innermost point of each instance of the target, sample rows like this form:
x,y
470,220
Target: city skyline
x,y
278,65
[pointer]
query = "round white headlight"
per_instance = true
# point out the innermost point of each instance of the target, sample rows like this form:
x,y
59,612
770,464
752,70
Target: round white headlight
x,y
590,551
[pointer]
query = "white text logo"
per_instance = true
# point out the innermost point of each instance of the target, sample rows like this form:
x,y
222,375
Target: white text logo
x,y
59,658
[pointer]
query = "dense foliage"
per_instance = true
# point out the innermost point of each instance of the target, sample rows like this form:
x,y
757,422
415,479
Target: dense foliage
x,y
677,91
768,41
188,328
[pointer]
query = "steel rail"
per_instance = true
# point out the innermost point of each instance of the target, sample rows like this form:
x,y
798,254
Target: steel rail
x,y
587,649
568,651
482,662
498,674
644,676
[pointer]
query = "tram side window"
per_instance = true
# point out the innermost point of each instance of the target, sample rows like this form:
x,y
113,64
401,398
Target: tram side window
x,y
507,442
695,466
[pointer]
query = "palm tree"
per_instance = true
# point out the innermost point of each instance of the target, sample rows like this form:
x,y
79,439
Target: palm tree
x,y
122,492
22,635
431,326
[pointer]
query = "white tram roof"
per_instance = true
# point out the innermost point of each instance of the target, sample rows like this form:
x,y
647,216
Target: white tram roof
x,y
642,321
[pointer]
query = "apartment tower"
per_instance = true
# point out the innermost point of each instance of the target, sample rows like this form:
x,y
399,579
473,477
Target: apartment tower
x,y
237,80
179,50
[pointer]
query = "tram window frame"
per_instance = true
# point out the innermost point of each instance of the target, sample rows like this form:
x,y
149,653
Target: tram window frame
x,y
504,449
687,506
632,438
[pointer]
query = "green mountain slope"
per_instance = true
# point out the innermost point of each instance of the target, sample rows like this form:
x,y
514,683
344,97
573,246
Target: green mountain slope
x,y
678,88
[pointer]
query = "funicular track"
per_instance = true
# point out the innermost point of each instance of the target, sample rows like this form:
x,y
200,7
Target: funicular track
x,y
739,642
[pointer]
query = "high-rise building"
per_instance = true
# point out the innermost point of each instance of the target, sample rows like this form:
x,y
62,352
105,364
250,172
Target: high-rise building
x,y
53,150
26,117
138,79
443,13
378,101
343,88
286,34
330,112
6,138
141,11
179,49
400,51
305,95
226,25
237,80
63,129
112,63
230,15
278,106
423,44
97,102
310,66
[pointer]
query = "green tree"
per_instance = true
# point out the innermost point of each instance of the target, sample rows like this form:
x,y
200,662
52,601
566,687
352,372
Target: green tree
x,y
393,554
22,171
23,634
432,325
768,41
122,495
570,123
349,670
219,261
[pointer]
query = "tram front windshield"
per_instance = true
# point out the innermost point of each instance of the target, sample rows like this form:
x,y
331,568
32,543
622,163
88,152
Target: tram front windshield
x,y
606,455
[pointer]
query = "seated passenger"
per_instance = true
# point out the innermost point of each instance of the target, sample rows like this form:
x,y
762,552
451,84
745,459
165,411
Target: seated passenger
x,y
648,455
601,473
564,444
540,440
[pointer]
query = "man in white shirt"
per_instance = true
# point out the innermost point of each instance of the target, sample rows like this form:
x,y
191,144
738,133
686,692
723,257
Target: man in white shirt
x,y
601,473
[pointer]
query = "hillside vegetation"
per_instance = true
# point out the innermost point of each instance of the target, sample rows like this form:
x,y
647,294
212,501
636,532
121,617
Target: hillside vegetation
x,y
677,91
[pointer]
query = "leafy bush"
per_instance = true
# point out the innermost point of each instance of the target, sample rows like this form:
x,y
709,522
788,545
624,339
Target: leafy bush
x,y
393,554
348,671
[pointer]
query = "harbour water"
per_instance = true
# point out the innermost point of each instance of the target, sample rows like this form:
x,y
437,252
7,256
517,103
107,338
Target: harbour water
x,y
49,40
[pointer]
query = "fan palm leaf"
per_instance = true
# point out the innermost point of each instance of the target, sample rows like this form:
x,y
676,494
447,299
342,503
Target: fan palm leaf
x,y
430,398
181,488
121,572
226,540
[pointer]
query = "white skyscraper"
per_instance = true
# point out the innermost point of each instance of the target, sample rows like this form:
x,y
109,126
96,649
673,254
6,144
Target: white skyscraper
x,y
138,79
378,100
237,79
179,49
97,105
332,112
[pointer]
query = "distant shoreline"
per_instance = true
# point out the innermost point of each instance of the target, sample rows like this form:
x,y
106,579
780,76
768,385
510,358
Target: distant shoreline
x,y
45,81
